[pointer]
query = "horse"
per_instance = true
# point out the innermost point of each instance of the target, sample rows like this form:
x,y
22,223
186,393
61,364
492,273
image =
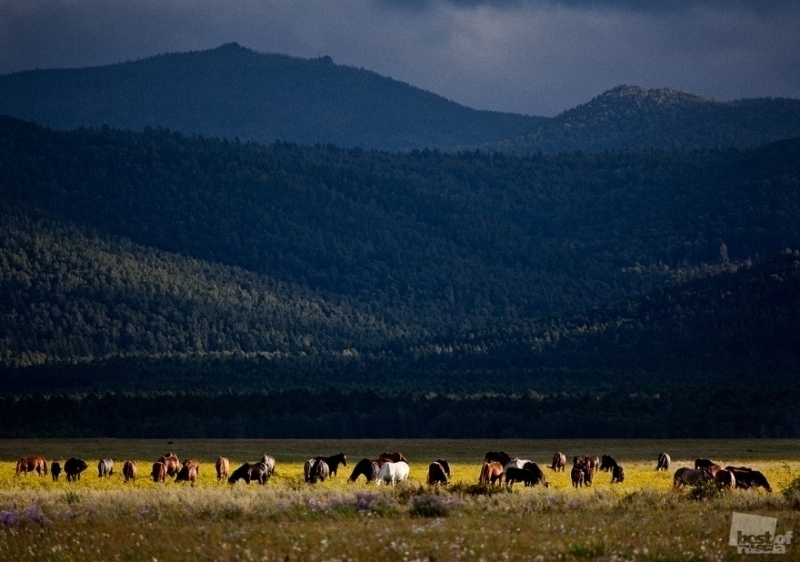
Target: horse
x,y
270,464
368,468
747,478
159,472
32,464
592,463
333,462
222,466
491,472
436,474
259,472
703,463
690,477
725,479
55,470
559,462
663,462
171,464
129,471
308,466
188,472
192,462
536,470
105,468
617,474
320,471
515,463
393,457
497,456
241,473
577,476
392,472
607,462
73,468
445,466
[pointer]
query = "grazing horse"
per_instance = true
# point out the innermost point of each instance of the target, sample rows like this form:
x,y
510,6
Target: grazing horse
x,y
663,462
241,473
725,479
55,470
538,473
592,463
393,457
392,472
171,464
270,464
559,462
515,463
192,462
617,474
73,468
368,468
129,471
703,463
308,466
436,474
690,477
607,462
713,469
491,472
319,472
577,476
445,465
222,466
747,478
188,472
105,468
497,456
159,472
334,461
32,464
259,472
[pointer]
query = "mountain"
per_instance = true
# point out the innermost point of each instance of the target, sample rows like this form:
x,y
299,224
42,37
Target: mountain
x,y
233,92
633,118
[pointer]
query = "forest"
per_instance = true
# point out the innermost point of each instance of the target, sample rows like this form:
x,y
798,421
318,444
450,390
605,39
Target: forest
x,y
604,294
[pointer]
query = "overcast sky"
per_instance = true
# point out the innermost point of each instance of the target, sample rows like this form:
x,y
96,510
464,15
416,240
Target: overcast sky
x,y
536,57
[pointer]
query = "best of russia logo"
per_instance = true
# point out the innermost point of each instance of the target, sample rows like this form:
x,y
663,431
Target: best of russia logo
x,y
754,534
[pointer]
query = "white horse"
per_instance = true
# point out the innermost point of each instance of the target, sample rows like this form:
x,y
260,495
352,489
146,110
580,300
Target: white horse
x,y
392,472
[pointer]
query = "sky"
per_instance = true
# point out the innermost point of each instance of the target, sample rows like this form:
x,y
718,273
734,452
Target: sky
x,y
536,57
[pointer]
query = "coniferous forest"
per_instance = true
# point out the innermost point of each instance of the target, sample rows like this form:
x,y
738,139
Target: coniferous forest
x,y
155,283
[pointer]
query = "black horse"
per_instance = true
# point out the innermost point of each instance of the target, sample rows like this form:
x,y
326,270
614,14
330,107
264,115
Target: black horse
x,y
241,473
497,456
333,462
368,468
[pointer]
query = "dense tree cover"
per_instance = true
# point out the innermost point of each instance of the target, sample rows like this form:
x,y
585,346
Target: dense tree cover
x,y
233,92
629,117
690,411
68,296
437,240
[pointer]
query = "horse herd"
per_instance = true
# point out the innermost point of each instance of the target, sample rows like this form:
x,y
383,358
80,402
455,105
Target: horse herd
x,y
393,467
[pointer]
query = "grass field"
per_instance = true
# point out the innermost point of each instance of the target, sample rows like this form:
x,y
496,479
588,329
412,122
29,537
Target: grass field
x,y
641,519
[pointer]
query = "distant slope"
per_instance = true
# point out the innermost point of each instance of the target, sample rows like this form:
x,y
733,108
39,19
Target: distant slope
x,y
629,117
233,92
67,297
431,239
740,319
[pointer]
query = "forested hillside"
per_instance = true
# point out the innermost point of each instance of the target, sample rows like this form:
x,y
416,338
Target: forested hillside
x,y
233,92
629,117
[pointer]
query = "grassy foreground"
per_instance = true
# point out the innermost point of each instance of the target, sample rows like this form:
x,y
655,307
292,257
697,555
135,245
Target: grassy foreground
x,y
641,519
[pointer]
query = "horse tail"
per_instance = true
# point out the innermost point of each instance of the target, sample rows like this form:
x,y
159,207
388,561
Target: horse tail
x,y
44,463
484,477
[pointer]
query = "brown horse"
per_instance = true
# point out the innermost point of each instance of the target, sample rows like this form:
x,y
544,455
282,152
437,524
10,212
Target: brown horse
x,y
559,462
333,462
725,479
171,464
188,472
436,474
366,467
129,471
497,456
32,464
393,457
159,472
222,466
491,473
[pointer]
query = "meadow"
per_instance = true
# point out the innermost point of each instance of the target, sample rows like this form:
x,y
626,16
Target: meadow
x,y
643,518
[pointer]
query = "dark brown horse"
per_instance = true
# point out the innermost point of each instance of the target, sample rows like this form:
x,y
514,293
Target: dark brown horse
x,y
129,471
32,464
333,462
607,463
393,457
445,466
55,470
559,462
159,472
436,474
368,468
664,461
497,456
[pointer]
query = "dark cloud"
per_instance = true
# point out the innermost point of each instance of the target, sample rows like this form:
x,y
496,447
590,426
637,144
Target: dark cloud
x,y
538,57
